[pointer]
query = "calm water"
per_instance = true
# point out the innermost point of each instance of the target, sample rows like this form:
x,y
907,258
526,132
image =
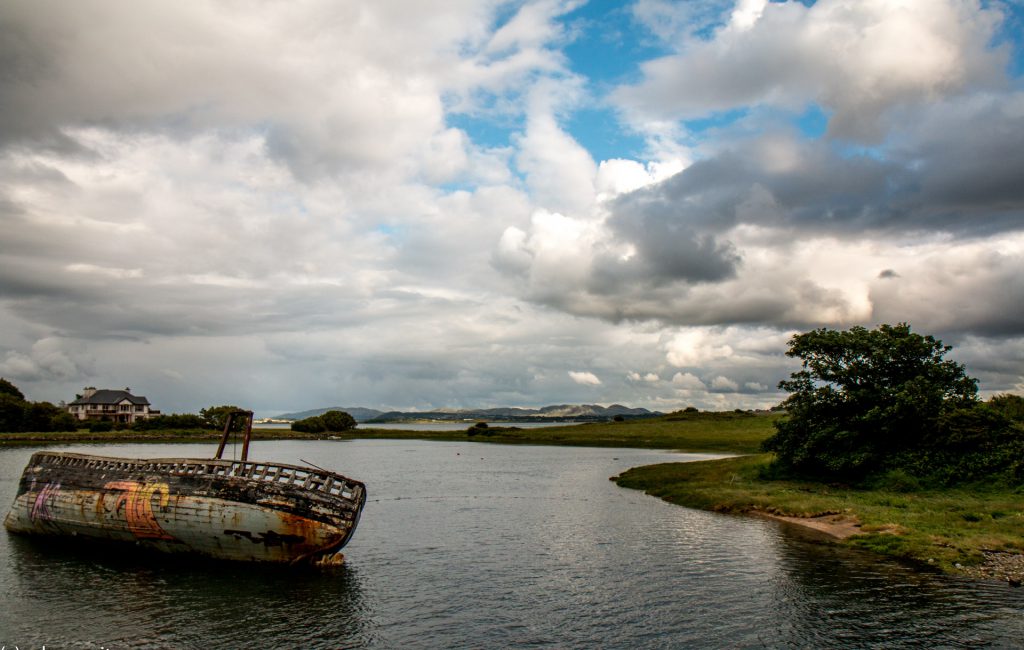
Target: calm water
x,y
488,546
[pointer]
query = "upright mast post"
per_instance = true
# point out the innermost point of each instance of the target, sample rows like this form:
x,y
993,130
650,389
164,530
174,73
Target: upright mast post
x,y
247,436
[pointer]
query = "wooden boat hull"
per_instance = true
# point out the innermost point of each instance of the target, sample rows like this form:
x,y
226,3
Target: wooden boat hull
x,y
257,512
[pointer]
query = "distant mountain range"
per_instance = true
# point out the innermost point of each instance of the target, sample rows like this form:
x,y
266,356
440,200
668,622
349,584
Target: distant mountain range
x,y
506,414
359,413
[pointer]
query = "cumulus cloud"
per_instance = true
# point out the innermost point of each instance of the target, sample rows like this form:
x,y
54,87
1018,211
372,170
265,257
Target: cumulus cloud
x,y
688,381
856,58
47,359
558,170
650,377
353,88
724,385
618,176
584,378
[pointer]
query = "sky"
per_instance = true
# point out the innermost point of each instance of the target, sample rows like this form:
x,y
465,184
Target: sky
x,y
477,203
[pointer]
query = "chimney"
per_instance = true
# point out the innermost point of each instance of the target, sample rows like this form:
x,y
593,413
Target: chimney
x,y
88,392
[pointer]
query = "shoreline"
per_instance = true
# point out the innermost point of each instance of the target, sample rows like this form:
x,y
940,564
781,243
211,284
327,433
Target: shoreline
x,y
1002,566
970,531
838,526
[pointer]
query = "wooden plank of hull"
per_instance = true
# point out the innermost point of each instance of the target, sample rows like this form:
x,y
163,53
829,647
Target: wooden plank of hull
x,y
211,527
213,514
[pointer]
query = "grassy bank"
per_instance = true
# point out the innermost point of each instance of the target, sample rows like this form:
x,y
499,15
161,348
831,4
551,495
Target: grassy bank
x,y
725,432
739,433
939,527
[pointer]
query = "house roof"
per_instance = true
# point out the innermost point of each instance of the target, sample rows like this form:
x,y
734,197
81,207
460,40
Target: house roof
x,y
107,396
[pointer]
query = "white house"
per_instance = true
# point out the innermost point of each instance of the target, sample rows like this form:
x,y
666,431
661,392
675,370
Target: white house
x,y
113,405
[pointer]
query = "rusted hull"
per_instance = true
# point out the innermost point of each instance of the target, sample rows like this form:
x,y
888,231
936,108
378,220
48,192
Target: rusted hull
x,y
221,509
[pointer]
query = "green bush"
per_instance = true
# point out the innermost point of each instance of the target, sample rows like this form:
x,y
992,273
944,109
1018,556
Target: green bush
x,y
63,421
897,480
314,424
100,426
337,421
173,421
481,428
1010,406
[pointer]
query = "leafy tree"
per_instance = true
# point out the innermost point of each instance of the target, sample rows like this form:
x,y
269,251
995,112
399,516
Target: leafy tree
x,y
7,388
338,421
1011,406
17,414
217,416
968,444
862,396
12,413
313,424
44,416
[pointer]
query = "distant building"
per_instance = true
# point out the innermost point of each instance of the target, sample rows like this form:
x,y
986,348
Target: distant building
x,y
113,405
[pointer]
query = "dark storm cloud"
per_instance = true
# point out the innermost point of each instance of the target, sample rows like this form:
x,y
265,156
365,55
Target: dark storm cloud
x,y
24,61
967,159
955,294
819,191
964,177
666,252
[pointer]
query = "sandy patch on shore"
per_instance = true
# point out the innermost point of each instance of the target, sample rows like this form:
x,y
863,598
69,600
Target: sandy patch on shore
x,y
835,525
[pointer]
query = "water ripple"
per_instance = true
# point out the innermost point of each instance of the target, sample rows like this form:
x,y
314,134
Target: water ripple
x,y
465,545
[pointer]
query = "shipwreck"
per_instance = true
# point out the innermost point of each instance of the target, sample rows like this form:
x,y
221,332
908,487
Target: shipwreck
x,y
217,508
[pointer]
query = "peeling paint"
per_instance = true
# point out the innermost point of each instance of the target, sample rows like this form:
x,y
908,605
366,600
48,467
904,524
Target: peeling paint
x,y
137,499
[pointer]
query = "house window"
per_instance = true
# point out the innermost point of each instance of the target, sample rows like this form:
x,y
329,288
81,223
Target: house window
x,y
126,407
139,409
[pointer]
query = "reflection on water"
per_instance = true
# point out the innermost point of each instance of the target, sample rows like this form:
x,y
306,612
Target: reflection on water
x,y
472,545
59,595
831,595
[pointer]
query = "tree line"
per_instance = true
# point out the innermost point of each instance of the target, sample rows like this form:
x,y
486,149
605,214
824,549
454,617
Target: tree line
x,y
18,414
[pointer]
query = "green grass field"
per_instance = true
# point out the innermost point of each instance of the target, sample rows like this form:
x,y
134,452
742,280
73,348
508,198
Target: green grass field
x,y
726,432
739,433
